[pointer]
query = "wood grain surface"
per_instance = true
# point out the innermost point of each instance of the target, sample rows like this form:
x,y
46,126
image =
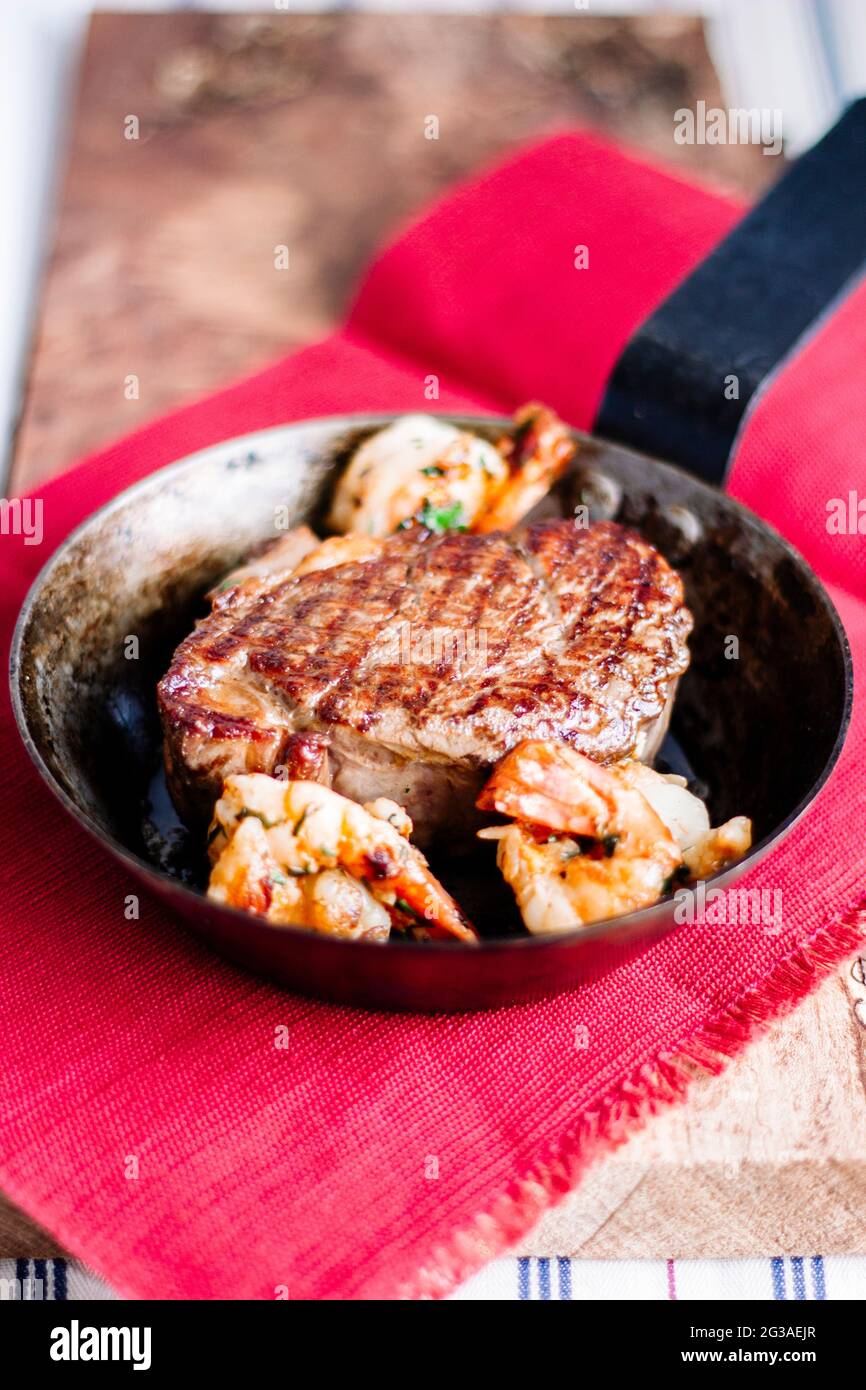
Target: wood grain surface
x,y
304,131
308,131
769,1158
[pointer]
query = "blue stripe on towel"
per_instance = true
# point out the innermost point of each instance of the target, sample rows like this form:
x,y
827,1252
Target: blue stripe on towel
x,y
523,1277
59,1267
564,1278
544,1279
799,1277
778,1267
818,1277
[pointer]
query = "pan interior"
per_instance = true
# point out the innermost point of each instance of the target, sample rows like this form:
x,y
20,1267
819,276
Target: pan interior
x,y
756,718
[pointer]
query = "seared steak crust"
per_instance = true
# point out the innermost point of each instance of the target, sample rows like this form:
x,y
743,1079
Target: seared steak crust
x,y
425,663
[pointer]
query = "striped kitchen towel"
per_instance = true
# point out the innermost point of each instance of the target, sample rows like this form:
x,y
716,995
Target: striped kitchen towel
x,y
56,1281
777,1277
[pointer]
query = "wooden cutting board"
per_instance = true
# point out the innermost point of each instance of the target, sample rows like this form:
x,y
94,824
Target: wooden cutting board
x,y
308,131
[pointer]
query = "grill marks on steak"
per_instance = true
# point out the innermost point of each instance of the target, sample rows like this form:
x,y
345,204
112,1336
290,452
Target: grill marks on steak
x,y
562,633
624,626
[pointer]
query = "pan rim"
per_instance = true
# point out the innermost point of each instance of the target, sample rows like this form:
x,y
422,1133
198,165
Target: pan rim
x,y
612,926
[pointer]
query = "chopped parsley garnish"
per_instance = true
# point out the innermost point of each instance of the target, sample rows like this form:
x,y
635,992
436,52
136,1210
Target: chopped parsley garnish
x,y
441,519
245,811
403,906
433,470
596,849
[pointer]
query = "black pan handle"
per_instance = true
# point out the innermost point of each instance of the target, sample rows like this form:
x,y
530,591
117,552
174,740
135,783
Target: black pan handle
x,y
684,381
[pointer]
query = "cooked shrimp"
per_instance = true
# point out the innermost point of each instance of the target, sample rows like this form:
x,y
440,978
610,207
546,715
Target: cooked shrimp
x,y
422,472
296,553
307,829
338,550
716,849
706,851
588,846
282,556
684,814
418,467
537,453
593,842
548,784
386,809
248,876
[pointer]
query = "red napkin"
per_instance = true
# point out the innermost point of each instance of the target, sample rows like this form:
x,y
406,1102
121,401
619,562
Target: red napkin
x,y
391,1155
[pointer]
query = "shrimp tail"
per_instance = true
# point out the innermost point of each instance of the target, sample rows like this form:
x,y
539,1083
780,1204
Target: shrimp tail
x,y
549,784
417,893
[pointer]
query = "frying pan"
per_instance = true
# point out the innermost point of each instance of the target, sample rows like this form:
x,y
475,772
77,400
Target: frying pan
x,y
757,726
759,733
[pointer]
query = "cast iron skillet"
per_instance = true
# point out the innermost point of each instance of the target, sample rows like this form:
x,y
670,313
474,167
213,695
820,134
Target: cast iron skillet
x,y
758,733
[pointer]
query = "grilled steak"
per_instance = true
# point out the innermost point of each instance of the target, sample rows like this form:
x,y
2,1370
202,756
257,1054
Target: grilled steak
x,y
424,661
